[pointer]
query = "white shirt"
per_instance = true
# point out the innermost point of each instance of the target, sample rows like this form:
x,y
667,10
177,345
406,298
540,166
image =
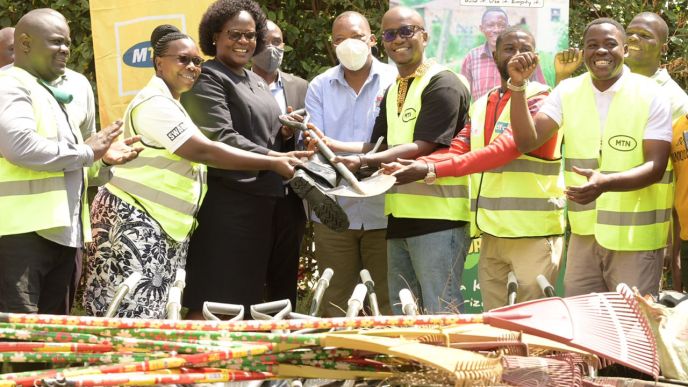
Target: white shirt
x,y
676,95
162,121
658,123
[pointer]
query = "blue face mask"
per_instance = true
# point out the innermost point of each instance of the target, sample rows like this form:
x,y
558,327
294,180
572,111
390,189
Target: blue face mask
x,y
270,59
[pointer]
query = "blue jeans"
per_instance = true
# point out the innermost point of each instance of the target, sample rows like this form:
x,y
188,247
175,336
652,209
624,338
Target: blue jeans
x,y
430,266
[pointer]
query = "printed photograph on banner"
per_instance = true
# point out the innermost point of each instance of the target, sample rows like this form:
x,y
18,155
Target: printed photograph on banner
x,y
134,67
463,34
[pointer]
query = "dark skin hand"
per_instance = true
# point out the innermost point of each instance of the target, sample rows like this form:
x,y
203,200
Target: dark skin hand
x,y
402,151
656,155
531,133
406,171
121,152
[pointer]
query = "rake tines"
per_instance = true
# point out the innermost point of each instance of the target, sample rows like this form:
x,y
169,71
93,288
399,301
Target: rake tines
x,y
540,371
609,325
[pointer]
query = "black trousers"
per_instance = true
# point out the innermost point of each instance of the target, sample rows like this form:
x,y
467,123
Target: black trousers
x,y
245,250
35,274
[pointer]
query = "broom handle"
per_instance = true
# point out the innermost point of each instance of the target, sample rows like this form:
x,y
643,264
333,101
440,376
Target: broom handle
x,y
253,325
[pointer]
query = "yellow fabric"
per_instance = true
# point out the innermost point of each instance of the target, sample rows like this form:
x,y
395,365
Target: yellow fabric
x,y
448,198
679,157
525,197
33,200
621,221
169,188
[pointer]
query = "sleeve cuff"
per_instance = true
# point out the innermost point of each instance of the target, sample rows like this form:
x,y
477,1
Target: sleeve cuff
x,y
444,168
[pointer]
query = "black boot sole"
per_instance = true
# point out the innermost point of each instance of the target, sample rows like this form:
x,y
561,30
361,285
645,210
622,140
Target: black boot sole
x,y
325,207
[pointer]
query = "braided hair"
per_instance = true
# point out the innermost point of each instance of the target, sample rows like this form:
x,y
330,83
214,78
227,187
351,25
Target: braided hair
x,y
162,36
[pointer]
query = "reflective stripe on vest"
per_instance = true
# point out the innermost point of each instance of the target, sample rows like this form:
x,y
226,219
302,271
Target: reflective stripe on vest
x,y
33,200
448,198
623,221
169,188
523,198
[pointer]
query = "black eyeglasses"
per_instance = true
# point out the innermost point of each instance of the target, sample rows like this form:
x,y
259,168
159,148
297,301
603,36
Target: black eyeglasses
x,y
404,32
186,59
236,35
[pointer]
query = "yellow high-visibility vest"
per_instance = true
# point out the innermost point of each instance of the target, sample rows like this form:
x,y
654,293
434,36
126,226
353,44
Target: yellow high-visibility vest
x,y
624,221
523,198
448,198
169,188
33,200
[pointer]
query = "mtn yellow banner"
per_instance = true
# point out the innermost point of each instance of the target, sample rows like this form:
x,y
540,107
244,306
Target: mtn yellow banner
x,y
121,45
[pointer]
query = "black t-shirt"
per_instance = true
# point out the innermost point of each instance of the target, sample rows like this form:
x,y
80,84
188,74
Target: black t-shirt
x,y
241,112
443,113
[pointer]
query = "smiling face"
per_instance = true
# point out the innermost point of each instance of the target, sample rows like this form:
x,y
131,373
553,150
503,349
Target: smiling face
x,y
235,54
407,53
178,77
646,43
493,24
603,54
45,46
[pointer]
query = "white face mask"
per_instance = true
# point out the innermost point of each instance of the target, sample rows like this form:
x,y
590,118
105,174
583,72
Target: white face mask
x,y
352,53
269,59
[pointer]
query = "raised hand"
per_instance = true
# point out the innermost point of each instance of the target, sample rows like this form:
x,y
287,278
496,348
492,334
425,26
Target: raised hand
x,y
100,141
566,62
589,191
122,151
521,66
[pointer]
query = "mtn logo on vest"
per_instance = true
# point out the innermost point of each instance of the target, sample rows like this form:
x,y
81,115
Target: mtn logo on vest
x,y
409,114
623,143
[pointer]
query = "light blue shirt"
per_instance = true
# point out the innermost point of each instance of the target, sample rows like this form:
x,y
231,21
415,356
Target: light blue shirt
x,y
277,90
335,109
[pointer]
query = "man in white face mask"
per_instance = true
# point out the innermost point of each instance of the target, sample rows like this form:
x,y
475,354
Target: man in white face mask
x,y
289,90
343,102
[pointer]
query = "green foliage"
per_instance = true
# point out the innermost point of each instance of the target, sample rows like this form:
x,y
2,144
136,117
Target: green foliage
x,y
76,12
307,27
673,11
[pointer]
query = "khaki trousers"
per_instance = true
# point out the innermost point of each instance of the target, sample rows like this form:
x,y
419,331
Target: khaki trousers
x,y
526,257
593,268
347,253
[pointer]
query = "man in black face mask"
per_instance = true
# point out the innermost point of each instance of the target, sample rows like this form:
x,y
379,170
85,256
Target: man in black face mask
x,y
289,90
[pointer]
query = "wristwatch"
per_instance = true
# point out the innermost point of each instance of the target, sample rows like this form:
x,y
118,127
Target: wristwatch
x,y
431,176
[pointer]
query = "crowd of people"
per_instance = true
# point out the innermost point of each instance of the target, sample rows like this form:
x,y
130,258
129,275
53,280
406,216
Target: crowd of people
x,y
200,173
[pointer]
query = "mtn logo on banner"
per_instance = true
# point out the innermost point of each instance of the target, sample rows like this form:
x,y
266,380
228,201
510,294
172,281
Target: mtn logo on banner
x,y
134,52
139,55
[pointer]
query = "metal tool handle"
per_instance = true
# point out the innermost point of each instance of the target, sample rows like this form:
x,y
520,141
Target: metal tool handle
x,y
545,286
174,304
370,286
408,305
355,303
210,309
319,291
273,310
180,279
121,292
327,152
511,288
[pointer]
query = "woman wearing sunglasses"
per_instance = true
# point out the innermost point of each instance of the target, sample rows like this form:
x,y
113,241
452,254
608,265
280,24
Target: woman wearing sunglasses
x,y
243,218
142,220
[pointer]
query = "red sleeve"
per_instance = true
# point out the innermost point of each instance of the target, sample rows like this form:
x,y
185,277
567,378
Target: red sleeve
x,y
460,144
498,153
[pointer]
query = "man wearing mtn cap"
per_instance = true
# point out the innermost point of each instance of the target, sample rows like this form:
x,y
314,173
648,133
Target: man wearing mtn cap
x,y
617,130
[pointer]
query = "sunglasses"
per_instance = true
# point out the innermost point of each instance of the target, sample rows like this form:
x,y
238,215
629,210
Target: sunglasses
x,y
236,35
186,59
404,32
